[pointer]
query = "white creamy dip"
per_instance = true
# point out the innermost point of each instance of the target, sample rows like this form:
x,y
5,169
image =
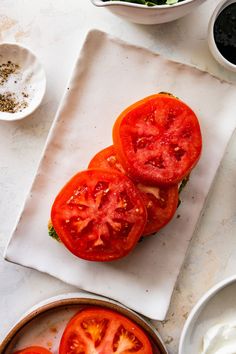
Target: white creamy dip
x,y
220,339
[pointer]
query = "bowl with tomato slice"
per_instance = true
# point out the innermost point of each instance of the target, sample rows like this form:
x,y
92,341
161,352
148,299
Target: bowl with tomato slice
x,y
84,324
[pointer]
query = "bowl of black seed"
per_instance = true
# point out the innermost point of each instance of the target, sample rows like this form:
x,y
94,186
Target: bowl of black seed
x,y
222,34
22,82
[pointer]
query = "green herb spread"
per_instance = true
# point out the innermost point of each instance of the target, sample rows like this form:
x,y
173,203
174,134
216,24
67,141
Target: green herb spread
x,y
52,232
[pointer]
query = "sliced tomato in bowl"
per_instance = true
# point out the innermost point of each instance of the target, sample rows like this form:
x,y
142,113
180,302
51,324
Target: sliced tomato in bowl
x,y
99,215
158,140
97,330
160,202
33,350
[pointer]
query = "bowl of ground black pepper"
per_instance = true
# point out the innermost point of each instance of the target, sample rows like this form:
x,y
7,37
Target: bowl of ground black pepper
x,y
222,34
22,82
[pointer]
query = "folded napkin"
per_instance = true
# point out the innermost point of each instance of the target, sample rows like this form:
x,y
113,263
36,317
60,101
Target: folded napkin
x,y
109,76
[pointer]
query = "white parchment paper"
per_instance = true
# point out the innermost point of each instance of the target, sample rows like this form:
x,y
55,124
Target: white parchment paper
x,y
109,76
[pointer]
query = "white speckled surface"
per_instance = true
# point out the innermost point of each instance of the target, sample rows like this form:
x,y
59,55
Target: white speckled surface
x,y
54,30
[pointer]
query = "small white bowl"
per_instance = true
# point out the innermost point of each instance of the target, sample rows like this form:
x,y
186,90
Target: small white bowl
x,y
149,15
211,41
218,305
26,85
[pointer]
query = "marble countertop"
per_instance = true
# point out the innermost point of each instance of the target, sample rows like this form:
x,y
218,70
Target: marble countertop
x,y
55,30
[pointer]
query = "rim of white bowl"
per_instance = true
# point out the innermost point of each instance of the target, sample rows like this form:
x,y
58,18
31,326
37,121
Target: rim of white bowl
x,y
199,306
101,3
34,107
211,41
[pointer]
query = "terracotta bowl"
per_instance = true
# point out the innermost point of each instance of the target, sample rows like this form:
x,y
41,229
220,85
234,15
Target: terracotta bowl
x,y
43,325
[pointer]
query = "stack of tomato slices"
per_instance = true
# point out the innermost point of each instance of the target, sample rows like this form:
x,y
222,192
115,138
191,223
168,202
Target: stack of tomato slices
x,y
130,189
99,330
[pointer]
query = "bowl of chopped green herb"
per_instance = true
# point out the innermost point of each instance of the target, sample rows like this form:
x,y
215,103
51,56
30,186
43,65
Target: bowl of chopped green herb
x,y
149,12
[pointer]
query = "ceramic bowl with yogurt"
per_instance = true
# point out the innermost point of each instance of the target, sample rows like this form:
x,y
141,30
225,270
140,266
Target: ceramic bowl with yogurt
x,y
149,15
211,325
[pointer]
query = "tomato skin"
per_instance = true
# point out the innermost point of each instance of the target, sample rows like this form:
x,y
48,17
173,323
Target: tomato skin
x,y
103,331
158,140
107,159
33,350
99,215
160,202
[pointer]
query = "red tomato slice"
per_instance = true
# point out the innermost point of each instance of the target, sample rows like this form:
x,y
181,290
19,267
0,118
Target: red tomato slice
x,y
100,331
33,350
160,202
107,160
158,140
99,215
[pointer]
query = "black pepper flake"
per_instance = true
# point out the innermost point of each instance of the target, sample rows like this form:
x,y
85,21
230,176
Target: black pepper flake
x,y
6,69
10,104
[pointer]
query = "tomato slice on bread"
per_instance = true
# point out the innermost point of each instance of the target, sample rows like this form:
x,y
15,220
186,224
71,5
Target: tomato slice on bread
x,y
99,215
160,202
33,350
107,160
97,330
158,140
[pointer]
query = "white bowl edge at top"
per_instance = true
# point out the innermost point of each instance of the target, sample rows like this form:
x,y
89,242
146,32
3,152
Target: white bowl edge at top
x,y
149,15
101,3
